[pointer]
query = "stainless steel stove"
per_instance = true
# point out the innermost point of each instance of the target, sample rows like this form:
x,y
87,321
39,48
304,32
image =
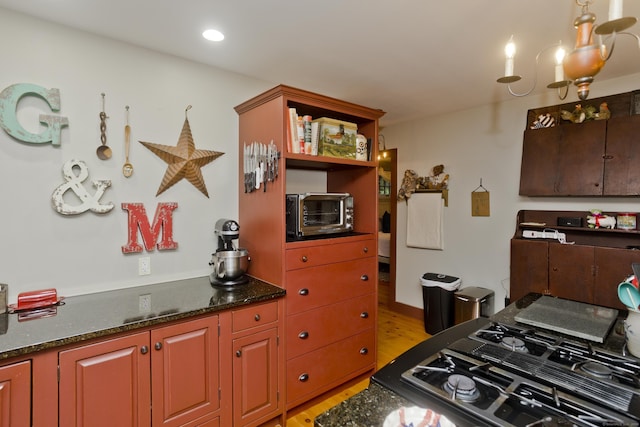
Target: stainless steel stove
x,y
506,375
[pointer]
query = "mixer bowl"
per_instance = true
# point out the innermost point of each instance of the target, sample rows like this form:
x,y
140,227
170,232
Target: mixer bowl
x,y
230,265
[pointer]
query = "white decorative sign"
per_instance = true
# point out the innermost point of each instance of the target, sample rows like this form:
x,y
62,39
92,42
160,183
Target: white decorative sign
x,y
74,183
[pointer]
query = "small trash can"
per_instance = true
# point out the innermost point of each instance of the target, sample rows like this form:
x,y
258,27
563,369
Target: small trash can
x,y
473,302
438,295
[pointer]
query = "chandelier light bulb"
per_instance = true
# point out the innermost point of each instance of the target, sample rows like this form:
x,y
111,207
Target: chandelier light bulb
x,y
510,53
559,75
615,9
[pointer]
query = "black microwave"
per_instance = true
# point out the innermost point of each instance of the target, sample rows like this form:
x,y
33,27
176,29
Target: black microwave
x,y
318,214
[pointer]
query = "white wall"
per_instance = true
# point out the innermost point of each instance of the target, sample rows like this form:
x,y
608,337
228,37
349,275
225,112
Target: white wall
x,y
79,254
482,143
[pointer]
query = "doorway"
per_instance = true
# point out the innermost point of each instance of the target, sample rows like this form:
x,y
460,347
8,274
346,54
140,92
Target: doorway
x,y
387,214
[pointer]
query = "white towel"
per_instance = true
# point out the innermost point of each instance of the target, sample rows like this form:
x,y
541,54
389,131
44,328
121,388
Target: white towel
x,y
424,220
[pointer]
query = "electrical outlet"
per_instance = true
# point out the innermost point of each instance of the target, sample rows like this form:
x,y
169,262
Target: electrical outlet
x,y
144,266
144,303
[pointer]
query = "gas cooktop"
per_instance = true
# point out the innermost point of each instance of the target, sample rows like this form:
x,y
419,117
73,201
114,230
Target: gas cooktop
x,y
507,375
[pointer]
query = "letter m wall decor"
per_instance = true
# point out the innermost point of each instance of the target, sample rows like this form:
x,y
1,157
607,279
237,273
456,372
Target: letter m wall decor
x,y
162,222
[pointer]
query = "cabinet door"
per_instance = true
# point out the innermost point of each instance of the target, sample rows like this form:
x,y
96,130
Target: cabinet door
x,y
621,170
106,384
15,395
529,267
255,376
571,272
185,361
613,265
565,160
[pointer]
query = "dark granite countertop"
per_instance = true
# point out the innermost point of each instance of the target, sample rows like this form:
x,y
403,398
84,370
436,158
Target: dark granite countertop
x,y
100,314
370,407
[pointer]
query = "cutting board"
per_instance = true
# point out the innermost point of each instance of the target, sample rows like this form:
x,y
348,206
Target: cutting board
x,y
572,318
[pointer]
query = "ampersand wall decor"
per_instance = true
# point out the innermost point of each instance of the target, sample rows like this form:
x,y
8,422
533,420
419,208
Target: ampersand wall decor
x,y
74,183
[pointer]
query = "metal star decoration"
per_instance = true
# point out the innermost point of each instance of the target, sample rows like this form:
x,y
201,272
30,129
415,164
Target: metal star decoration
x,y
183,160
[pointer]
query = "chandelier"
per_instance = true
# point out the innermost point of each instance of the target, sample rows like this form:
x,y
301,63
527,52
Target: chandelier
x,y
587,58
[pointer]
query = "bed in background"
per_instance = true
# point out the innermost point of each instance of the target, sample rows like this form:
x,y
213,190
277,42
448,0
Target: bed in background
x,y
384,239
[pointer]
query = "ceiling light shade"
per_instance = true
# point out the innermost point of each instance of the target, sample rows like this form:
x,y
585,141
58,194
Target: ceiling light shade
x,y
213,35
587,58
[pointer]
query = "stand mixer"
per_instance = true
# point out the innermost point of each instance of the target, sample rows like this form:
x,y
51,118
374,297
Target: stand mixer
x,y
229,264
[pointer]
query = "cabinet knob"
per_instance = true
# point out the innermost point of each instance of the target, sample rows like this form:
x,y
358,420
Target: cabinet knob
x,y
364,350
158,345
304,258
303,335
364,278
256,317
144,349
365,250
364,315
303,292
303,378
238,353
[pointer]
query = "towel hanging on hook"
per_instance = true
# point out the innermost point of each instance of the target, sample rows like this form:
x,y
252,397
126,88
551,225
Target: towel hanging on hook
x,y
480,201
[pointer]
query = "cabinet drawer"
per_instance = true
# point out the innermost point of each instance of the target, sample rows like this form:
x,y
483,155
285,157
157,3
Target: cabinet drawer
x,y
254,315
326,254
320,370
316,328
327,284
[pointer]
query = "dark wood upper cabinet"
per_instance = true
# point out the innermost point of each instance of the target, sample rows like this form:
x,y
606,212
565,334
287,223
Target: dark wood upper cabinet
x,y
593,158
622,165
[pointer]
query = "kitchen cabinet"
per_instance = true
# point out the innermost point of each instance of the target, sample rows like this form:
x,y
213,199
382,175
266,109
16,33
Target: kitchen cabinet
x,y
588,270
592,158
15,395
258,376
331,303
168,376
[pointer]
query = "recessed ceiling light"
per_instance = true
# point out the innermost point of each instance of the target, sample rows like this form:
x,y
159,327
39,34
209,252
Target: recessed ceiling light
x,y
213,35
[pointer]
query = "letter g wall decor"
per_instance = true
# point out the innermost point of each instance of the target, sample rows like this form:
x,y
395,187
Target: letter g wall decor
x,y
9,99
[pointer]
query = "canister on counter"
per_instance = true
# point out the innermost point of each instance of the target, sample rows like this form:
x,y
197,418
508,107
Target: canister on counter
x,y
4,289
626,220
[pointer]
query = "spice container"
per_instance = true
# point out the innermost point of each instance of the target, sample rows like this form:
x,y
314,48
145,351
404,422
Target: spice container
x,y
626,221
3,297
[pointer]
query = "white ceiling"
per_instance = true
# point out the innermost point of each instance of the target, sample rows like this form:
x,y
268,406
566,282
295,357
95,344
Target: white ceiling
x,y
411,58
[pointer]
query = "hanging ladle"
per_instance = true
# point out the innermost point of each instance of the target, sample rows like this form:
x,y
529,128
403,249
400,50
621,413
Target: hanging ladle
x,y
103,151
127,168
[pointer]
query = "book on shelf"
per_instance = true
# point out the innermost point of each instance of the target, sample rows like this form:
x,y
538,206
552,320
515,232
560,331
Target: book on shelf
x,y
293,144
306,120
315,137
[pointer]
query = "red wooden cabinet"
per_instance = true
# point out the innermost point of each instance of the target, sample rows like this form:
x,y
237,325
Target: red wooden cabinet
x,y
106,383
257,364
164,377
15,395
185,377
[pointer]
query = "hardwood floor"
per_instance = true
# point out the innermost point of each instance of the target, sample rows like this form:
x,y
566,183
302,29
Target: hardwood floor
x,y
396,334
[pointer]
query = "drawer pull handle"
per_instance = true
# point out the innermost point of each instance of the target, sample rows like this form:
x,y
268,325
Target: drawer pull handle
x,y
158,345
364,278
364,315
304,258
303,291
303,335
238,353
303,378
364,350
256,317
144,349
366,249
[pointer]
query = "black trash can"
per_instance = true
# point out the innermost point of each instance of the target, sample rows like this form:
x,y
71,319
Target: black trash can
x,y
438,291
